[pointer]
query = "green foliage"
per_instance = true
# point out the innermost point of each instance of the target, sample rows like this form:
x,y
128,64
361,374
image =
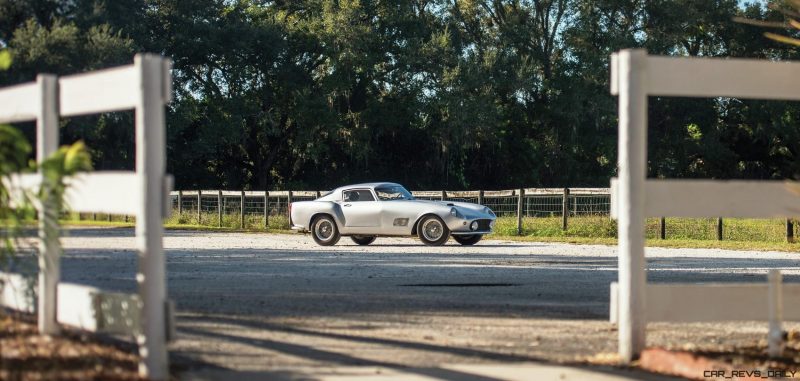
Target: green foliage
x,y
14,150
434,94
5,59
66,161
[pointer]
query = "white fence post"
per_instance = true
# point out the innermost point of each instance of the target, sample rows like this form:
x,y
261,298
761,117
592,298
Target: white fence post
x,y
775,305
49,245
150,170
632,173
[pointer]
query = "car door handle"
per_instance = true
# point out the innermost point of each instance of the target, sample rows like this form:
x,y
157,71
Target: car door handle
x,y
346,205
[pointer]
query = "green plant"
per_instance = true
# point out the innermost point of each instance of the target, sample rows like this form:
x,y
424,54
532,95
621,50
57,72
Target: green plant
x,y
14,151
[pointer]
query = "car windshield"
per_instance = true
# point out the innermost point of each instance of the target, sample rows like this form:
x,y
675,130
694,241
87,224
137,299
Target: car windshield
x,y
393,192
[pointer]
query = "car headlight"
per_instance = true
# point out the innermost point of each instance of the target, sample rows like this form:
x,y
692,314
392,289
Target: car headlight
x,y
487,210
454,212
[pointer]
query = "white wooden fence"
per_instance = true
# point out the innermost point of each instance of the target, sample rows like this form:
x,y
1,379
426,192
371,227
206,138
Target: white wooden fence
x,y
144,87
634,76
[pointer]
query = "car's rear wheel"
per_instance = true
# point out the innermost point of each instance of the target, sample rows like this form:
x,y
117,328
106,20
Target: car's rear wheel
x,y
363,239
325,231
432,231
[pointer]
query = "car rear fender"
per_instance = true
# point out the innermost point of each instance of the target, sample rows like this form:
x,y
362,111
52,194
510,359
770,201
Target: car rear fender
x,y
333,210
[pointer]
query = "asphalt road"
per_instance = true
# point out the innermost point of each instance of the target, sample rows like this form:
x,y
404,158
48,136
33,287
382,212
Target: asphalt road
x,y
281,304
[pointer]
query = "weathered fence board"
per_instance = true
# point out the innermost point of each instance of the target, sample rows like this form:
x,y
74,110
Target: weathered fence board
x,y
702,198
711,302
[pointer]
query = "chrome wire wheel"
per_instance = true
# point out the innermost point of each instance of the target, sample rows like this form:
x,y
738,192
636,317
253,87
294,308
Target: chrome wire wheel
x,y
324,230
432,231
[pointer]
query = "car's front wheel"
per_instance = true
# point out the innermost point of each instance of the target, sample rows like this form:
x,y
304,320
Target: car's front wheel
x,y
363,239
325,231
432,231
468,239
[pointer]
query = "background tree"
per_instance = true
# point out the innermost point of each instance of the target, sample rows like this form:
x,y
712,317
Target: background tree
x,y
431,93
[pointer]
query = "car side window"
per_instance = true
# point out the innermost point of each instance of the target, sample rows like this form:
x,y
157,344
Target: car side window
x,y
357,195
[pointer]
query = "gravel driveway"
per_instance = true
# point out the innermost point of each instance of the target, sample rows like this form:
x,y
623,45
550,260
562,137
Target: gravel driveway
x,y
255,302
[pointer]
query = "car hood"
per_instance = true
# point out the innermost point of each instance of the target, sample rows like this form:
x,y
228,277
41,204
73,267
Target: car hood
x,y
467,208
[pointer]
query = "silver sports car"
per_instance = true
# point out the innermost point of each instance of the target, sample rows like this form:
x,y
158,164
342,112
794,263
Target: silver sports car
x,y
366,211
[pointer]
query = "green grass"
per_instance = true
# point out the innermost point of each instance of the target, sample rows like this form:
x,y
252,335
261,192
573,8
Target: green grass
x,y
738,234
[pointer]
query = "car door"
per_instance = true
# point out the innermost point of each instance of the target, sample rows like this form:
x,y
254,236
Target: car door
x,y
360,209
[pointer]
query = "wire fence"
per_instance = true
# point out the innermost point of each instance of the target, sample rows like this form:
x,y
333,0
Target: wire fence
x,y
546,212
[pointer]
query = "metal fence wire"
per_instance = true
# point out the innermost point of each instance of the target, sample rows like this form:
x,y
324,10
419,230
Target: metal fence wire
x,y
587,212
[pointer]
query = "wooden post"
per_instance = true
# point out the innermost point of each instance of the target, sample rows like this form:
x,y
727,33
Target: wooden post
x,y
219,208
775,305
789,230
94,216
108,217
662,227
49,244
631,84
155,87
199,206
319,194
564,209
241,209
288,202
266,209
575,206
480,197
719,229
180,202
520,209
444,195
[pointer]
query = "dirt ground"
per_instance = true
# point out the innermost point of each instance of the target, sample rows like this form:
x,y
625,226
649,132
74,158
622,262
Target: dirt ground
x,y
283,305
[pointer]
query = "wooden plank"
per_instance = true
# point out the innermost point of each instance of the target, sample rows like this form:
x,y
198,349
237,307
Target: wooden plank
x,y
711,302
17,292
544,191
499,193
718,198
589,191
107,90
88,192
431,194
19,103
722,77
453,194
312,194
462,194
94,310
80,306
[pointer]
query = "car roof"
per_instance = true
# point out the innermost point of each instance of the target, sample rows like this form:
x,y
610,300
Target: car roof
x,y
365,185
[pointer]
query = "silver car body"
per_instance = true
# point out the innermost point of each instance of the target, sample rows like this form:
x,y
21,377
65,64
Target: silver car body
x,y
391,217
